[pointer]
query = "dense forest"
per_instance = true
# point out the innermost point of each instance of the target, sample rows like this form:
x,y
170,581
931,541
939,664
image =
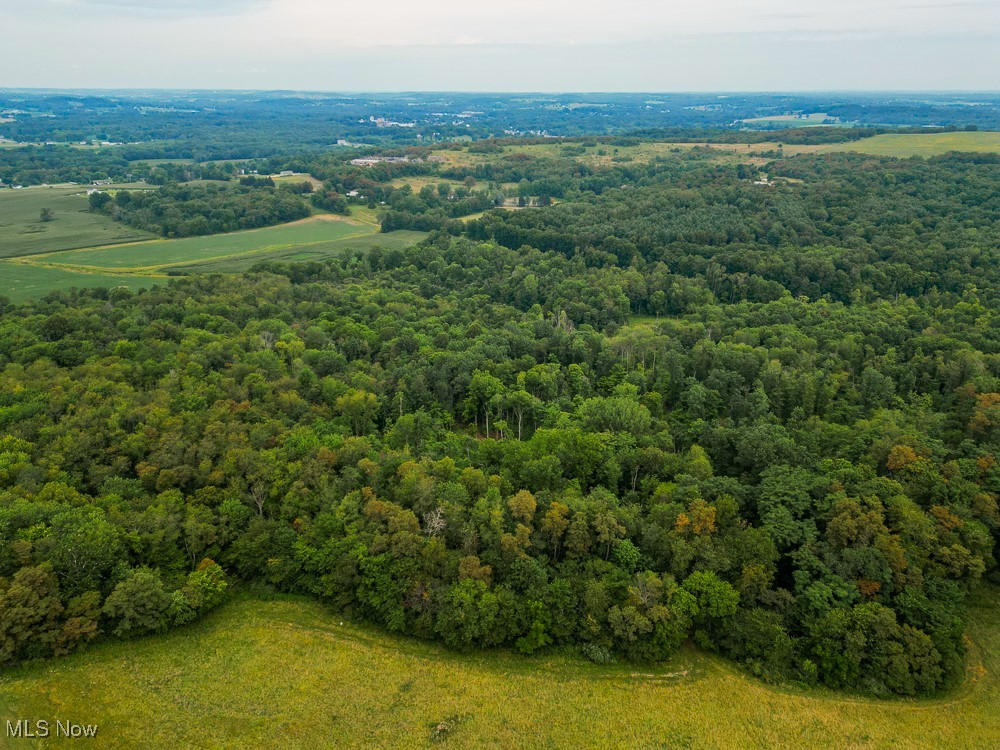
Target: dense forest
x,y
675,405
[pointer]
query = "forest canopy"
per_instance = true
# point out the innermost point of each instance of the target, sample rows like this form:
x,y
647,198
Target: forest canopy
x,y
675,405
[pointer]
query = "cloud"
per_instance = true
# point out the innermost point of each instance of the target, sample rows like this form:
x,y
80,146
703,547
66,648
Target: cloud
x,y
172,8
515,44
565,22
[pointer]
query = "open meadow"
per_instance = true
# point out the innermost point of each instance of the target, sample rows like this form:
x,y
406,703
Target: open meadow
x,y
286,673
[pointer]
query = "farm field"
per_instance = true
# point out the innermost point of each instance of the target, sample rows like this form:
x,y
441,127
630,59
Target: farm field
x,y
141,264
74,226
794,121
398,240
23,281
162,253
285,673
897,145
920,144
297,178
604,155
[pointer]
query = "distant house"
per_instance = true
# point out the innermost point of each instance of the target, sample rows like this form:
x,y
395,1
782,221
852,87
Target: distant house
x,y
352,193
286,173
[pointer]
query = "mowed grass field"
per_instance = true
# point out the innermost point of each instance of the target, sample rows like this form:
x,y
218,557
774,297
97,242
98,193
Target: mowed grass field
x,y
22,233
286,673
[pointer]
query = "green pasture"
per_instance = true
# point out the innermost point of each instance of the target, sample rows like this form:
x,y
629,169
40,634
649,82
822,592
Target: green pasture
x,y
23,233
793,121
158,254
23,281
399,240
922,144
287,673
141,264
296,179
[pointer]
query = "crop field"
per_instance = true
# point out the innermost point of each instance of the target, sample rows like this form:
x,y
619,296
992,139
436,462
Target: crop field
x,y
74,226
158,254
399,240
285,673
141,264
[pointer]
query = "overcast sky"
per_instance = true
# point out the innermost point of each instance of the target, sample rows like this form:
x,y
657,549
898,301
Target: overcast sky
x,y
503,45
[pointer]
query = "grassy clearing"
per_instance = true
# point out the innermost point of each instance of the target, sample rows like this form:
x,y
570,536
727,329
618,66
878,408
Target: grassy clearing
x,y
142,264
297,179
287,674
899,145
74,226
156,162
157,255
23,281
921,144
317,251
419,181
795,121
365,215
605,155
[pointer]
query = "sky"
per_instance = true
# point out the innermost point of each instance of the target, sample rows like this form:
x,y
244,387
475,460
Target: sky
x,y
503,45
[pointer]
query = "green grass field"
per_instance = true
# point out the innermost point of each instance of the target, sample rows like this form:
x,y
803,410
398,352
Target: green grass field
x,y
899,145
288,674
142,264
794,121
158,254
917,144
22,233
297,178
399,240
23,281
